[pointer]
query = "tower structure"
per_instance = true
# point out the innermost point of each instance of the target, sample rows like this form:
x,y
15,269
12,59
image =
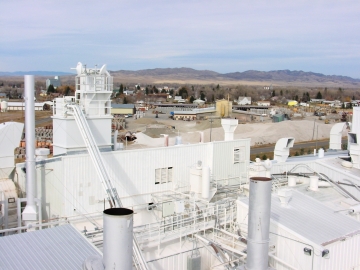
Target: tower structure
x,y
93,90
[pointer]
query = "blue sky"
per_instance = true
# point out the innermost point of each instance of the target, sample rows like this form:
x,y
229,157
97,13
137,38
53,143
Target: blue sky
x,y
224,36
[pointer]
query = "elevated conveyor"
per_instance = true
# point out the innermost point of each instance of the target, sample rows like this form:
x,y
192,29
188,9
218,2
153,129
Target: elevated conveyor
x,y
99,165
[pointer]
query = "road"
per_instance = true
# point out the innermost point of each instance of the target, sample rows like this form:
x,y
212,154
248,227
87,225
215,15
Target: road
x,y
305,145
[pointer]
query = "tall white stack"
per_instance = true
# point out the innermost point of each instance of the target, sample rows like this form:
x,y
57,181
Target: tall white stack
x,y
118,239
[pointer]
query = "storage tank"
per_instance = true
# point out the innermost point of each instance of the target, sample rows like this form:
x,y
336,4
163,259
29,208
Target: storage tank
x,y
4,106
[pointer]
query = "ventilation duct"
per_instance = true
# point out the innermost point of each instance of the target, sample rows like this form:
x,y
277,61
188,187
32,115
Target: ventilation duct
x,y
282,149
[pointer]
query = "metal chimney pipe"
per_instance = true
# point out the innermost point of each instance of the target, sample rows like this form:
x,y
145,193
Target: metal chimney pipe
x,y
118,238
30,212
259,223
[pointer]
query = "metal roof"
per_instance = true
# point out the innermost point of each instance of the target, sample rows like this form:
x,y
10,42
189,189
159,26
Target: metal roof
x,y
61,247
311,219
123,106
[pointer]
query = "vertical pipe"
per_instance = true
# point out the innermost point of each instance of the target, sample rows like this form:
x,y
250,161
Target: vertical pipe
x,y
205,187
118,238
259,223
29,212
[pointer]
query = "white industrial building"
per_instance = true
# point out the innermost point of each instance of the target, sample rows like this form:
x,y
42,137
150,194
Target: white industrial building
x,y
188,206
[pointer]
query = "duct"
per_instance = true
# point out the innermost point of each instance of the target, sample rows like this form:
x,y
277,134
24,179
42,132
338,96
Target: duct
x,y
259,223
282,149
30,211
118,239
229,126
335,136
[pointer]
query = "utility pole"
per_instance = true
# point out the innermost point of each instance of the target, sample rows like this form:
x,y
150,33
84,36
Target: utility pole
x,y
211,121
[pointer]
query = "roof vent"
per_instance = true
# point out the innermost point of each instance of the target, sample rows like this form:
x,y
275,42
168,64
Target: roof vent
x,y
284,196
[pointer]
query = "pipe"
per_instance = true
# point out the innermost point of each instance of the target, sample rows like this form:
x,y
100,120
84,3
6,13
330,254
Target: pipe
x,y
118,238
30,213
259,223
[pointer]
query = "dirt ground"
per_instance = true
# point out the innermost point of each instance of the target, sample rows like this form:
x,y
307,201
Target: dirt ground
x,y
149,130
42,118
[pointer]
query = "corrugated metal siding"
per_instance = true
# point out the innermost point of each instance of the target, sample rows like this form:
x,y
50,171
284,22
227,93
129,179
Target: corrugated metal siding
x,y
223,159
133,173
313,224
61,247
70,185
343,255
179,261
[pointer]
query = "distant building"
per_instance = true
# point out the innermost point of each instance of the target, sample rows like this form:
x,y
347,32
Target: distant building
x,y
55,82
316,100
263,103
292,103
244,101
123,109
128,92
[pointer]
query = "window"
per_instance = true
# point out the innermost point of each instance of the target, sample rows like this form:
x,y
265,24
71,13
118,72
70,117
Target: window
x,y
239,154
163,175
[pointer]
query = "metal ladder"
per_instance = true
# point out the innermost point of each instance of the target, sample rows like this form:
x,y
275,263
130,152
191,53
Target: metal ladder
x,y
105,180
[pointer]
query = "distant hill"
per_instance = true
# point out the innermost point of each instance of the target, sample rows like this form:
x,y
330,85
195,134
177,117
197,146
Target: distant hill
x,y
36,73
288,76
276,76
189,75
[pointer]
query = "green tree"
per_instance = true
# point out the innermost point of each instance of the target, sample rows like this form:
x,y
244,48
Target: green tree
x,y
124,101
50,89
171,92
302,151
273,93
218,87
202,96
155,90
163,91
138,87
67,91
264,157
121,89
192,99
146,90
281,92
183,92
319,95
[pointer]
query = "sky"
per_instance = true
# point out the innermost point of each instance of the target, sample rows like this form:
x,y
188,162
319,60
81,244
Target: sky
x,y
223,36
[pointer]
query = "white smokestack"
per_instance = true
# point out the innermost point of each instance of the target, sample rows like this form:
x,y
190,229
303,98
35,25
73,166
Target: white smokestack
x,y
259,223
118,238
229,126
30,212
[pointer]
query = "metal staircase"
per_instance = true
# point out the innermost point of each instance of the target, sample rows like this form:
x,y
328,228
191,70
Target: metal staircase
x,y
106,182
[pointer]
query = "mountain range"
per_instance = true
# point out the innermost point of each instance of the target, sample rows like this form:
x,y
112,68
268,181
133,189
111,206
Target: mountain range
x,y
184,75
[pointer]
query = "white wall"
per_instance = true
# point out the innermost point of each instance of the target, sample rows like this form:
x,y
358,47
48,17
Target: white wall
x,y
71,181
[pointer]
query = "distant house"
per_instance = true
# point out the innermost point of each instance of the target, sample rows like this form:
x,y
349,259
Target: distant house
x,y
263,103
179,99
316,100
123,109
199,102
55,82
244,101
128,92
